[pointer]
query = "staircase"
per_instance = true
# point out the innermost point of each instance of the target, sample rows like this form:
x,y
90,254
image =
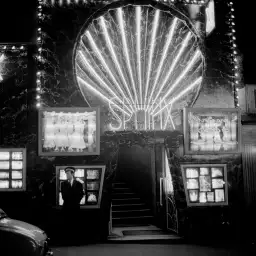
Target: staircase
x,y
127,207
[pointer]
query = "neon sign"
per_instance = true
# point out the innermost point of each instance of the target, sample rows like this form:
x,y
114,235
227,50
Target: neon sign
x,y
144,63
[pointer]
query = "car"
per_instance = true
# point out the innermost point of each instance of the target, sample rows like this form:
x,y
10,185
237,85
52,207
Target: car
x,y
20,238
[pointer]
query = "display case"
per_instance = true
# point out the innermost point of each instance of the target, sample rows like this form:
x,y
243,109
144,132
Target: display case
x,y
12,169
212,130
92,178
69,131
205,184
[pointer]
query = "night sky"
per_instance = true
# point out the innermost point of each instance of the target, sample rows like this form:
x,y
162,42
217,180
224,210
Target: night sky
x,y
18,23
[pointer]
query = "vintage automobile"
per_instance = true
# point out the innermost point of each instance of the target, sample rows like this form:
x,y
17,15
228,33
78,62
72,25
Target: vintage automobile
x,y
20,238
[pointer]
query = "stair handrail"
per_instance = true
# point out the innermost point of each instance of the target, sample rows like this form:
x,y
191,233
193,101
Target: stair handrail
x,y
110,220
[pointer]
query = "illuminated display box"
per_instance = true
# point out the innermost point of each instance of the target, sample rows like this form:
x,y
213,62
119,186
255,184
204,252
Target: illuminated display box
x,y
91,177
69,131
212,130
205,184
12,169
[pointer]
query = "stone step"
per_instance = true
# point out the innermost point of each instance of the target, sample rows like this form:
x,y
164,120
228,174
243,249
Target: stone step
x,y
133,220
131,213
120,201
123,195
120,207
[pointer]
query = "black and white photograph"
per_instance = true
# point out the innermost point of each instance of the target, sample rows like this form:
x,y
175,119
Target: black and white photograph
x,y
127,127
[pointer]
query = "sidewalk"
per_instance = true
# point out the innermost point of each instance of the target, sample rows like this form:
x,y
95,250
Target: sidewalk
x,y
147,250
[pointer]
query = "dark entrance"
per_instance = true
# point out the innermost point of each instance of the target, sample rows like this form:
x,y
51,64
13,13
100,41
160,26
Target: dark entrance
x,y
143,191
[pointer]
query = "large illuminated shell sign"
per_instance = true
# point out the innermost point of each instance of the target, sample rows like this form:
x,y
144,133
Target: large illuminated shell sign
x,y
143,61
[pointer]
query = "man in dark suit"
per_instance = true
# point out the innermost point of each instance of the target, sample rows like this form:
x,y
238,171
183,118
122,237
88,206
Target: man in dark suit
x,y
72,193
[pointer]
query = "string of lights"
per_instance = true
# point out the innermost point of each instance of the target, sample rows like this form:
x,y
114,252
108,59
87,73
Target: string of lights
x,y
235,57
39,56
72,2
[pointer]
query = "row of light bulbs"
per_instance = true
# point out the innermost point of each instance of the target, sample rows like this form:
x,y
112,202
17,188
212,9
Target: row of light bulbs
x,y
39,57
62,2
234,53
12,47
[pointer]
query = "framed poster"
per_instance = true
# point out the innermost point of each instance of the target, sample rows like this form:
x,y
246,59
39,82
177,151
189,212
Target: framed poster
x,y
205,184
212,131
92,178
12,169
69,131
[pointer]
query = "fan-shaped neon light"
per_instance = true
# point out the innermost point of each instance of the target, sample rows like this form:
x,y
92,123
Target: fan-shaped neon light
x,y
143,61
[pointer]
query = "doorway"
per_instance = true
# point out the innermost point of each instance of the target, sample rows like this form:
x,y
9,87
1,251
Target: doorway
x,y
143,194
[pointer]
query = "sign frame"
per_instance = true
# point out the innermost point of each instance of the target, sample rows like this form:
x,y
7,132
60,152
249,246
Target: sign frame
x,y
24,169
103,168
72,110
224,166
186,111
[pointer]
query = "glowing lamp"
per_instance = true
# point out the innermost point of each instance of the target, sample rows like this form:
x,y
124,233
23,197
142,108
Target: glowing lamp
x,y
38,96
38,89
38,105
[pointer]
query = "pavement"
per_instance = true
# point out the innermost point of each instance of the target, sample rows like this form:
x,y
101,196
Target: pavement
x,y
147,250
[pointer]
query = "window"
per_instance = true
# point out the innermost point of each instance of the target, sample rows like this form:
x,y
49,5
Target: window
x,y
205,184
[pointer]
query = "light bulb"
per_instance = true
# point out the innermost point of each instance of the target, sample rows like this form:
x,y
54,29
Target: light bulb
x,y
38,96
38,89
38,104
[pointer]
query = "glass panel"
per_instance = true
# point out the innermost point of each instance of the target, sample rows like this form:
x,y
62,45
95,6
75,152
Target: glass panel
x,y
4,175
210,196
192,184
219,195
62,175
205,183
17,183
79,173
4,155
204,171
17,165
80,180
93,174
193,195
93,186
60,199
91,197
217,183
202,197
4,165
17,175
4,184
192,173
82,200
217,172
16,155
